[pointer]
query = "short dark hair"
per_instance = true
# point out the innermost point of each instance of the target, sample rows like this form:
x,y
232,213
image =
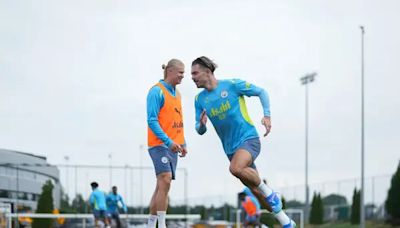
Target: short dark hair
x,y
94,184
206,63
242,196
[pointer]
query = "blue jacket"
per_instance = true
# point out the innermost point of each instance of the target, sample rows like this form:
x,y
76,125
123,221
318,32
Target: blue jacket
x,y
112,202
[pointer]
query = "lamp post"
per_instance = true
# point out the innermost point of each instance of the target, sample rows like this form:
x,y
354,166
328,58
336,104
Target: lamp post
x,y
66,158
110,169
362,212
305,80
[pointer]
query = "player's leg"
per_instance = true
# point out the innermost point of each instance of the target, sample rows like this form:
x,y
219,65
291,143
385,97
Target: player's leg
x,y
165,174
96,218
109,217
243,168
117,219
159,156
152,207
152,220
104,218
240,168
164,184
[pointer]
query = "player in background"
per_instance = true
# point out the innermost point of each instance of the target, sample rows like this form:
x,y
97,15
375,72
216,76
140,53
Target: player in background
x,y
112,200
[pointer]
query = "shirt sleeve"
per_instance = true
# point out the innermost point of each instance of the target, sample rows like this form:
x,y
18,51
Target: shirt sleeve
x,y
200,129
122,203
91,199
155,101
248,89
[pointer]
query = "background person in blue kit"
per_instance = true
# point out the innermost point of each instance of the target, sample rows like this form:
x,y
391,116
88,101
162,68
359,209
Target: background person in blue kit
x,y
97,201
112,200
251,208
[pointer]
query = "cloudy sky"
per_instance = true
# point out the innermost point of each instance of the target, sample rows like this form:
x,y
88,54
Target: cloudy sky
x,y
74,77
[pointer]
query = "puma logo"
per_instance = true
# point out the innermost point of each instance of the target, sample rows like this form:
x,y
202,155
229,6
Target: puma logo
x,y
176,110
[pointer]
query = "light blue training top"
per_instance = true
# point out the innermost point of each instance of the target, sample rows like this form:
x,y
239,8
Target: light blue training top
x,y
225,106
112,202
98,200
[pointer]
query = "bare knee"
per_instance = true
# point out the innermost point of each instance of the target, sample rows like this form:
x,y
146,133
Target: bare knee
x,y
236,171
164,182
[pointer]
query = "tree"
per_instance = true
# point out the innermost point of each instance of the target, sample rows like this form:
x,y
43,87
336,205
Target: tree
x,y
355,207
317,210
294,204
320,209
79,205
334,199
45,205
65,206
392,204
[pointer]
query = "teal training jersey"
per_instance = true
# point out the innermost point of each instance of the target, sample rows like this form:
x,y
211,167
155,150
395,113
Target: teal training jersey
x,y
226,108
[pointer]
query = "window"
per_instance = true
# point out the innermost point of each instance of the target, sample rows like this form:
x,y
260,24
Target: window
x,y
3,194
11,172
2,170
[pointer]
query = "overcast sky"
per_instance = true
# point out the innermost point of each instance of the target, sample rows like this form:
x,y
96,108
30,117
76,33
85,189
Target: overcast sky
x,y
74,76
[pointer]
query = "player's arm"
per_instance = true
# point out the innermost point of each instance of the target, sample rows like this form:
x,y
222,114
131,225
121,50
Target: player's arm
x,y
184,145
91,199
155,101
184,149
123,204
201,117
248,89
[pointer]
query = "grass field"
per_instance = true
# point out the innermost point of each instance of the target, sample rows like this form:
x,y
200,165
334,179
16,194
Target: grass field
x,y
348,225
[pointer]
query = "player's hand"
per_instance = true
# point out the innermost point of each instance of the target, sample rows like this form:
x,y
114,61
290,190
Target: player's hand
x,y
266,121
203,118
183,152
175,147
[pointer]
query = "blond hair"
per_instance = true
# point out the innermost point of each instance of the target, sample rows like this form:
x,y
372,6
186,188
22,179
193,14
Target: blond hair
x,y
171,63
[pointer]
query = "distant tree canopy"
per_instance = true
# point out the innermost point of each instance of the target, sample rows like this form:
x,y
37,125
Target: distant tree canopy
x,y
317,210
294,204
392,204
45,205
355,207
334,199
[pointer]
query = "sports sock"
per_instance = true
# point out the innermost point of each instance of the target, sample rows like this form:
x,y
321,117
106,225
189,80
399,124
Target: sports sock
x,y
161,219
265,189
152,221
282,218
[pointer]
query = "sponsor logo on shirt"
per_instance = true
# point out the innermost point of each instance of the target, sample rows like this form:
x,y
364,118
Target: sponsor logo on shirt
x,y
221,110
177,124
177,110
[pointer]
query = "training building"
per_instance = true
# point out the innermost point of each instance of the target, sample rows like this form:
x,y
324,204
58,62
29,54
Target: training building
x,y
22,176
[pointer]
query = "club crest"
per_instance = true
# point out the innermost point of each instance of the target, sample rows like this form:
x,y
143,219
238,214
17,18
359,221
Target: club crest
x,y
224,94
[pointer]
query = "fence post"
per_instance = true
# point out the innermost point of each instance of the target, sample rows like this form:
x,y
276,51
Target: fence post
x,y
238,218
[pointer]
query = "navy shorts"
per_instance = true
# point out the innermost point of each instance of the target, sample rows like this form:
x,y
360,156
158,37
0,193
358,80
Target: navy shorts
x,y
164,160
253,146
99,214
113,214
255,219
